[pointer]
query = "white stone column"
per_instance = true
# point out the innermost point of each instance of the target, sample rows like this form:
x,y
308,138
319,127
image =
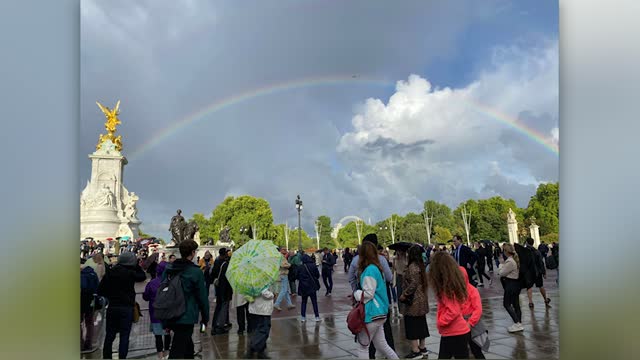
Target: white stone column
x,y
535,234
512,225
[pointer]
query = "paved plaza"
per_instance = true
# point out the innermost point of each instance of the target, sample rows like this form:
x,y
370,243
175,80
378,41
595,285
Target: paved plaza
x,y
330,339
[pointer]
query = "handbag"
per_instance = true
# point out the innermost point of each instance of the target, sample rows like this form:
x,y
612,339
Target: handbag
x,y
137,314
316,282
480,335
217,280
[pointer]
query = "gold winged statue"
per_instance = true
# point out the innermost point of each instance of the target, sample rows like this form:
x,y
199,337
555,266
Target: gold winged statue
x,y
110,125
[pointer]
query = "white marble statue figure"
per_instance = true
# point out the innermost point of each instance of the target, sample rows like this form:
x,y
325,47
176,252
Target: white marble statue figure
x,y
105,197
130,210
511,216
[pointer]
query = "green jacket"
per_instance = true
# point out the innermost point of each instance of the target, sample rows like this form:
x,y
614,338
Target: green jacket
x,y
195,292
295,260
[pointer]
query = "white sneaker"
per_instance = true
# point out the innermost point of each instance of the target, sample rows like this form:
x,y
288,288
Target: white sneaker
x,y
515,328
318,319
303,319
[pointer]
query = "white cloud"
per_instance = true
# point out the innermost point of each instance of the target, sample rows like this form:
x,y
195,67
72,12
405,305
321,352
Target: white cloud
x,y
425,135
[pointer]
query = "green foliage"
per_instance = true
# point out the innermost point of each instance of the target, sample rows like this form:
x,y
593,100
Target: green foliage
x,y
488,218
442,235
325,232
550,238
544,206
442,215
348,235
244,211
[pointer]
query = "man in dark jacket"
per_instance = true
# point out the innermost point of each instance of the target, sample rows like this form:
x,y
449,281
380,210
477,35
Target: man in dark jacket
x,y
465,257
538,272
224,292
328,260
195,299
118,287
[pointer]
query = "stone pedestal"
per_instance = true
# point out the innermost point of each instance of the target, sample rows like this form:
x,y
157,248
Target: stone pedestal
x,y
535,234
107,208
512,226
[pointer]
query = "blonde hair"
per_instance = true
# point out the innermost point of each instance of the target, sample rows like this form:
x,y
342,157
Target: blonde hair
x,y
509,249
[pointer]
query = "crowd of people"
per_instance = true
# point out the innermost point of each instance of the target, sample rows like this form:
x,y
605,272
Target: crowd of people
x,y
384,285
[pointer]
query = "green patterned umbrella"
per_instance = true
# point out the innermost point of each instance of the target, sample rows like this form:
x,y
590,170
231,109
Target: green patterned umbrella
x,y
254,267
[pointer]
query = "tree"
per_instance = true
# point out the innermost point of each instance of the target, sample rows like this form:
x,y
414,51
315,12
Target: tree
x,y
325,232
442,235
348,235
442,215
544,206
244,211
550,238
489,218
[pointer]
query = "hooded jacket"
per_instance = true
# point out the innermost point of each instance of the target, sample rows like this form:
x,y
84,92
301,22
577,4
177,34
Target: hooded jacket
x,y
263,304
195,292
472,308
151,290
118,285
307,274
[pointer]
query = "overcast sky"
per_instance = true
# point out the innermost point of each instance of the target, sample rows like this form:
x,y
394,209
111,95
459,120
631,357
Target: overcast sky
x,y
404,124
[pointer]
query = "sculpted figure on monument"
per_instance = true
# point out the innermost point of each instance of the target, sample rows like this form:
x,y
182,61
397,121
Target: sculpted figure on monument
x,y
224,235
190,230
511,216
130,209
105,197
177,228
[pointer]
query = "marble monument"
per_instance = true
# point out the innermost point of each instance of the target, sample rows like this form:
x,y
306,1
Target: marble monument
x,y
512,226
107,208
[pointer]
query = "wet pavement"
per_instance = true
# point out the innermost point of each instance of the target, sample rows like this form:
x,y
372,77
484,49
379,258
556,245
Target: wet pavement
x,y
330,339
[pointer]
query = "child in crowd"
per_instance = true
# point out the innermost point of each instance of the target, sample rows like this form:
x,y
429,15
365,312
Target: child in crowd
x,y
260,309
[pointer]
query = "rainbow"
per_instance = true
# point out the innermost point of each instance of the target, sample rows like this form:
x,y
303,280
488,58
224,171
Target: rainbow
x,y
204,113
237,99
516,124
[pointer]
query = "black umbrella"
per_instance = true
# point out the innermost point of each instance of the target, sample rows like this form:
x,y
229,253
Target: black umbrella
x,y
402,246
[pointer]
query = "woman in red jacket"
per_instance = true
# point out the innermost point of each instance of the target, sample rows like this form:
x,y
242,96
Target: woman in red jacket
x,y
451,293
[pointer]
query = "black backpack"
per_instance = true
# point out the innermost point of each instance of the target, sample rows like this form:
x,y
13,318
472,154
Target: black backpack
x,y
170,303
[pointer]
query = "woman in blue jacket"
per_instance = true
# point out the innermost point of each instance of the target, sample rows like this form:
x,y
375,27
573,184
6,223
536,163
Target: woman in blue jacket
x,y
373,293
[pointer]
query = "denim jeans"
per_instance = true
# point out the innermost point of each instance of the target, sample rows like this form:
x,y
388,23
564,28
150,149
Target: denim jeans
x,y
314,302
284,291
119,320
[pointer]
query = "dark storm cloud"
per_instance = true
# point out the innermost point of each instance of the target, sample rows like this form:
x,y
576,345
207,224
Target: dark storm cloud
x,y
166,60
391,148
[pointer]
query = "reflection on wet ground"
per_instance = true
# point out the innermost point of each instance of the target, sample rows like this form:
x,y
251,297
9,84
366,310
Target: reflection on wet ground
x,y
330,339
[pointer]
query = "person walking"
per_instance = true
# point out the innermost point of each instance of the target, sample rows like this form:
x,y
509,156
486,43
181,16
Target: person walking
x,y
284,284
195,300
260,309
488,246
388,278
373,293
537,268
162,337
465,257
481,253
328,260
451,293
220,323
509,273
496,254
308,286
118,287
472,312
555,252
415,298
347,257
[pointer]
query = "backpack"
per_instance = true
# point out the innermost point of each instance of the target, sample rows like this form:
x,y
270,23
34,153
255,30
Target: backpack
x,y
88,281
355,321
170,302
551,263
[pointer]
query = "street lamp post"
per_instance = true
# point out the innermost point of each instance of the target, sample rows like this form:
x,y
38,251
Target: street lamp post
x,y
242,231
299,208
